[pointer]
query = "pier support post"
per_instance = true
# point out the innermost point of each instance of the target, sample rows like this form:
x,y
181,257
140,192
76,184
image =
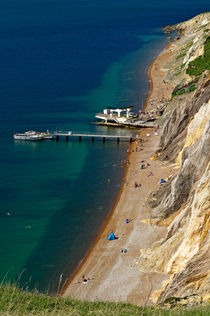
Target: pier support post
x,y
57,138
118,140
131,140
92,139
104,139
67,138
80,138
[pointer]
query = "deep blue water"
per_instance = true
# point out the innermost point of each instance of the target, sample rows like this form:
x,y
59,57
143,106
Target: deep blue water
x,y
61,62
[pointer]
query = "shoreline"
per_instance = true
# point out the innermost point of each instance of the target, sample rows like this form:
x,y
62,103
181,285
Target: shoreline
x,y
92,247
150,76
103,259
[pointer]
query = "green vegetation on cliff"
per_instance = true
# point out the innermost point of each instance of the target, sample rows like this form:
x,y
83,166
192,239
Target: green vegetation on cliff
x,y
14,301
189,87
201,63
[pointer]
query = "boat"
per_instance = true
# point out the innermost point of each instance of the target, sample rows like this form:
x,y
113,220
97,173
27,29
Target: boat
x,y
46,135
116,115
29,135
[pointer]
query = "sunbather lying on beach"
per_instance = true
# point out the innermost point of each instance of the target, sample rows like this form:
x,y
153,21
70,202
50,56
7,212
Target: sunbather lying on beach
x,y
123,250
84,280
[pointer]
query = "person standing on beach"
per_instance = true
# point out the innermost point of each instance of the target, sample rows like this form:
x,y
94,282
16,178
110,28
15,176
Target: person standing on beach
x,y
84,280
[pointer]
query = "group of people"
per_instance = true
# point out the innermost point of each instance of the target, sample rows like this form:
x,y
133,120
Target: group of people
x,y
125,162
143,165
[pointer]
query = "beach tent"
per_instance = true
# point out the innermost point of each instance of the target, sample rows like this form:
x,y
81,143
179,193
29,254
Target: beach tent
x,y
162,181
111,236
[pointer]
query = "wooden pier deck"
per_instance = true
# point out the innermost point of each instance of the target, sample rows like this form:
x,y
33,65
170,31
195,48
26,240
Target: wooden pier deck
x,y
93,137
129,125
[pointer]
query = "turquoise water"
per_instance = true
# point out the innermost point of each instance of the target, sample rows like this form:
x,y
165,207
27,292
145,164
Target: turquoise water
x,y
61,62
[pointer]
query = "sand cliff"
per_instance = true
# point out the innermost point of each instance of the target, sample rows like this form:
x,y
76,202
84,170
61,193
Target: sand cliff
x,y
183,203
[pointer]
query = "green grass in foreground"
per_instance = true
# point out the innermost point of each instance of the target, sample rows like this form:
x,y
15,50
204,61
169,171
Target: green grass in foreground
x,y
201,63
14,301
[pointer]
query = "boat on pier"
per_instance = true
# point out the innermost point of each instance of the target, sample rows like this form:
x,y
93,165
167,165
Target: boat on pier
x,y
29,135
33,136
46,135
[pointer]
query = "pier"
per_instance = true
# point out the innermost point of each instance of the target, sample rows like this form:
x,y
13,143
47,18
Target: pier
x,y
92,137
128,125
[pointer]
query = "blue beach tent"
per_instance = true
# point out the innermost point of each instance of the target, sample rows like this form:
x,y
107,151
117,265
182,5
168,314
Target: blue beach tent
x,y
162,181
111,236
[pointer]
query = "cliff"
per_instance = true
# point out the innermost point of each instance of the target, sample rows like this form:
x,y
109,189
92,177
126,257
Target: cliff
x,y
183,203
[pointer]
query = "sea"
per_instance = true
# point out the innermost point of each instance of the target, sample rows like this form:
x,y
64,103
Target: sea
x,y
61,63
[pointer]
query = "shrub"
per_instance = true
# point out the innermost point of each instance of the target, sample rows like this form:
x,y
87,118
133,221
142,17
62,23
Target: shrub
x,y
191,89
201,63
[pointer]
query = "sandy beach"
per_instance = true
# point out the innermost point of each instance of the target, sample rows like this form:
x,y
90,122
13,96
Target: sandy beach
x,y
111,265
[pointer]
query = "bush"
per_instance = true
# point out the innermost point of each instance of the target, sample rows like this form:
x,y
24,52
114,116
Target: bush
x,y
191,89
202,63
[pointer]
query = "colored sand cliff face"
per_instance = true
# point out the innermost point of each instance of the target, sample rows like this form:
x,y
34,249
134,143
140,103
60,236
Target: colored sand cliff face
x,y
183,204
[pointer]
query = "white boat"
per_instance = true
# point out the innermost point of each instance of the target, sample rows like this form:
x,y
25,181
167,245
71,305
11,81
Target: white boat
x,y
46,135
30,135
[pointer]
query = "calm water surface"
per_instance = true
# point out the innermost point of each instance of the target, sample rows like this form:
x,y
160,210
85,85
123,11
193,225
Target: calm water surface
x,y
61,62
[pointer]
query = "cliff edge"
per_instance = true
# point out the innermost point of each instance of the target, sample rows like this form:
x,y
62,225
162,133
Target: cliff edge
x,y
182,204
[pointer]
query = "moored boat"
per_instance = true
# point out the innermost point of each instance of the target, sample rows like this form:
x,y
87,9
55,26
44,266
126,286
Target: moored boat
x,y
30,135
46,135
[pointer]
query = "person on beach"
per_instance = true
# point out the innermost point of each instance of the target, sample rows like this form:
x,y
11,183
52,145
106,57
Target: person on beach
x,y
84,280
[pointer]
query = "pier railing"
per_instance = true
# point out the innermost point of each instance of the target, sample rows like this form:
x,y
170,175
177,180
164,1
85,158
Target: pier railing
x,y
68,135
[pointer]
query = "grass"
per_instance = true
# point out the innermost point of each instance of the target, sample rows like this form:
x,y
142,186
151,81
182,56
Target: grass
x,y
178,73
181,55
184,50
190,87
14,301
201,63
